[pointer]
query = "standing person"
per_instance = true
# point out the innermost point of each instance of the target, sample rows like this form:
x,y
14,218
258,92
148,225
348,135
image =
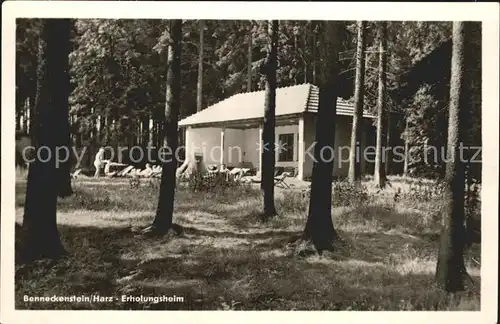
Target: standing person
x,y
98,162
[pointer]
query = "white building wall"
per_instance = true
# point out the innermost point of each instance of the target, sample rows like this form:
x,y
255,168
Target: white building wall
x,y
342,144
234,147
241,147
309,138
205,142
251,147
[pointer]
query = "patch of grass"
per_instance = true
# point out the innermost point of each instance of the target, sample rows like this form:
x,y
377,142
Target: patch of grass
x,y
114,196
383,217
293,202
343,194
241,275
227,259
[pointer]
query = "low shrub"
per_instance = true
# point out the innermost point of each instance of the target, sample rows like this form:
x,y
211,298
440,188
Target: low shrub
x,y
89,200
198,182
344,194
294,202
424,192
349,194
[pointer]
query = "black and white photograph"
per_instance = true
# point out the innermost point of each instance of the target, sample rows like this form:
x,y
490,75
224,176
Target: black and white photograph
x,y
267,164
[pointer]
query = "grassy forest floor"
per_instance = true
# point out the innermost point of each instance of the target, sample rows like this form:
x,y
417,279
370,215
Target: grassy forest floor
x,y
227,259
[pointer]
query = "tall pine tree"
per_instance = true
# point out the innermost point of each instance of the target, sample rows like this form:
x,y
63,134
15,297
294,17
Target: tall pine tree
x,y
164,212
268,134
450,271
357,120
380,176
40,235
319,227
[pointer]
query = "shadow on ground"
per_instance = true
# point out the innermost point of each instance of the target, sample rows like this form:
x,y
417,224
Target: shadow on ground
x,y
226,258
229,270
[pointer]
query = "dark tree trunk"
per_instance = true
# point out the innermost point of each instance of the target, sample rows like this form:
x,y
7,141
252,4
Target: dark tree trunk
x,y
357,120
249,62
268,133
154,135
305,42
407,151
92,131
28,116
199,93
129,131
380,177
164,212
319,227
314,43
450,271
105,128
138,132
103,131
145,131
19,110
309,45
78,136
296,48
30,109
40,235
60,77
388,155
25,120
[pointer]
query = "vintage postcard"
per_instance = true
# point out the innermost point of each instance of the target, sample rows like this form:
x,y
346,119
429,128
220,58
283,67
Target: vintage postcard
x,y
259,156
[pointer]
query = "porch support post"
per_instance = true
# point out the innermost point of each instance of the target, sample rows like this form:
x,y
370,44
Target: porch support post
x,y
222,134
300,158
187,145
260,147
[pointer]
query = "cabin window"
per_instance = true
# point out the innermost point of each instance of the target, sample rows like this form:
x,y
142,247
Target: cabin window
x,y
286,146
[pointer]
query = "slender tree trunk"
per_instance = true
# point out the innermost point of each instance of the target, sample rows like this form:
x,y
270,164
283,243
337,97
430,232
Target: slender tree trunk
x,y
305,37
296,47
78,136
107,131
199,93
162,141
357,125
380,177
154,132
29,116
98,129
164,212
138,133
92,131
40,235
145,131
388,155
129,130
314,55
319,227
309,45
61,78
22,117
407,151
103,129
268,134
19,110
450,269
249,62
25,121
